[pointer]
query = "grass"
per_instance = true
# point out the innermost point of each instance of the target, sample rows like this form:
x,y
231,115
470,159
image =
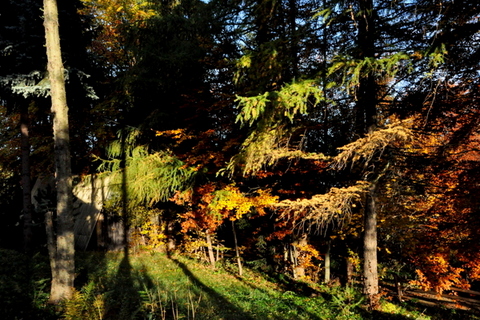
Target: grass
x,y
156,286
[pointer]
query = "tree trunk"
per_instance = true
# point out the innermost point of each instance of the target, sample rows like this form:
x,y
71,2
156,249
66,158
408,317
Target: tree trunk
x,y
64,265
367,90
327,263
237,252
26,182
349,270
298,267
211,255
370,266
366,121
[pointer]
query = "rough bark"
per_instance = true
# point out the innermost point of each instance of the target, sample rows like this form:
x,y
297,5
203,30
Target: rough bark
x,y
64,266
366,121
370,266
26,181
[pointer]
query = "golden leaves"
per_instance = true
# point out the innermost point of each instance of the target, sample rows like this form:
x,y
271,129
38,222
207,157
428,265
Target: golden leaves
x,y
374,144
322,209
235,204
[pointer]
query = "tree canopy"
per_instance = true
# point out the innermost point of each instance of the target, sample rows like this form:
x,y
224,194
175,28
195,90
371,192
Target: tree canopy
x,y
306,123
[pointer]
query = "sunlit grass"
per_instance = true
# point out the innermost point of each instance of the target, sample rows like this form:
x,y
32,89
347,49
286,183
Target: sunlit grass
x,y
156,286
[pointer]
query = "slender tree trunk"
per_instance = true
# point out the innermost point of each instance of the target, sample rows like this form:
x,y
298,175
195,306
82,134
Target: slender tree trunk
x,y
51,243
211,255
237,252
298,268
26,182
64,266
349,270
370,266
327,263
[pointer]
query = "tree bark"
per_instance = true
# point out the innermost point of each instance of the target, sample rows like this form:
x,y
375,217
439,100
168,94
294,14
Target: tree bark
x,y
64,266
211,256
237,251
370,266
366,121
327,263
26,181
366,106
298,268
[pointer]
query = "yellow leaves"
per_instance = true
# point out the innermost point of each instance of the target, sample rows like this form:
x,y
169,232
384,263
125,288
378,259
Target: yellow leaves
x,y
174,134
233,203
149,235
307,254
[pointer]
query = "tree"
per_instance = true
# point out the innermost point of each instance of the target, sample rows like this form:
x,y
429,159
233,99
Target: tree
x,y
61,249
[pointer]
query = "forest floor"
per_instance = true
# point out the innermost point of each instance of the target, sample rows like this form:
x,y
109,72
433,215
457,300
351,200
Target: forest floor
x,y
150,285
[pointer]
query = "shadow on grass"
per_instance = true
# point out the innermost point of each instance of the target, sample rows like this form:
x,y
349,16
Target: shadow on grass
x,y
262,304
228,309
111,286
123,300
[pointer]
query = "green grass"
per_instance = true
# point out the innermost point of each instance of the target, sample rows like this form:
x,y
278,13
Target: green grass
x,y
155,286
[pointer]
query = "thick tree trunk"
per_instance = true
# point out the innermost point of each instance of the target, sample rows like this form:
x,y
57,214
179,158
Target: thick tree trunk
x,y
370,266
366,121
64,266
367,91
26,182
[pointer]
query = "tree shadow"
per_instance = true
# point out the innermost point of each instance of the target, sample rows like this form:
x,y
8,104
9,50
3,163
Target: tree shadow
x,y
229,310
269,305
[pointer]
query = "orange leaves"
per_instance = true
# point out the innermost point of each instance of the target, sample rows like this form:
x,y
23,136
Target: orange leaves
x,y
438,274
210,206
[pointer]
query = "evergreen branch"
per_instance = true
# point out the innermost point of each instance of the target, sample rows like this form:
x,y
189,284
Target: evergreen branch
x,y
373,144
323,209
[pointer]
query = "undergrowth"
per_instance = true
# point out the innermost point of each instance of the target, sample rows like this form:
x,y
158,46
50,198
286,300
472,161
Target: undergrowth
x,y
156,286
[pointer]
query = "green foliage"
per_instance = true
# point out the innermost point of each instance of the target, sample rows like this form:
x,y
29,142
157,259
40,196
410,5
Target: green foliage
x,y
273,114
86,304
24,286
291,100
148,177
345,301
353,70
154,286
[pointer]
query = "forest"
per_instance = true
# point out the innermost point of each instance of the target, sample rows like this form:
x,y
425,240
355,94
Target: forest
x,y
239,159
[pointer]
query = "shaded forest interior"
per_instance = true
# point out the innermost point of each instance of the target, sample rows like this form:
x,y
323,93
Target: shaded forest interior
x,y
318,143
